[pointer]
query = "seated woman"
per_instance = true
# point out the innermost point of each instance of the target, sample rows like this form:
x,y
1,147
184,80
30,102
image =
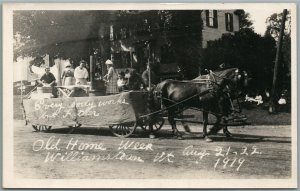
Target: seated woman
x,y
121,81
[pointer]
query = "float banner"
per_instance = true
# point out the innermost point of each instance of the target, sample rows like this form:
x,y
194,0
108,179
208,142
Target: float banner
x,y
95,111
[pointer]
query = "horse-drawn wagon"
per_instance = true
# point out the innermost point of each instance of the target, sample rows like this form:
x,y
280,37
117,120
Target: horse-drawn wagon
x,y
123,112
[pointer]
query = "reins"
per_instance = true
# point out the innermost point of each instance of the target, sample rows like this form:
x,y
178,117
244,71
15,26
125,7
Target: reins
x,y
200,81
175,103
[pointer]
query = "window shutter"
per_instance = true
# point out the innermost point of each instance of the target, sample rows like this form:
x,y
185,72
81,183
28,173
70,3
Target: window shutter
x,y
215,19
226,21
207,17
231,22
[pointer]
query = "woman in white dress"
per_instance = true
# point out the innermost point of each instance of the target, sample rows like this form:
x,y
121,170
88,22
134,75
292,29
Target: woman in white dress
x,y
68,76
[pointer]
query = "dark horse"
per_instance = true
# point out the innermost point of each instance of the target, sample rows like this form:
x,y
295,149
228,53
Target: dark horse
x,y
210,96
239,80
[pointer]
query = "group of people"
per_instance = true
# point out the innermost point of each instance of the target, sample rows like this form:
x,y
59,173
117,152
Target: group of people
x,y
69,76
115,82
128,80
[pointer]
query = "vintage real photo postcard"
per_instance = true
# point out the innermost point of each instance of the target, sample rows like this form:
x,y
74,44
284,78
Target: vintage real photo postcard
x,y
149,95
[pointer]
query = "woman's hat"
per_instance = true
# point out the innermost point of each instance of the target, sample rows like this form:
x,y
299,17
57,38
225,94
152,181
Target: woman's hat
x,y
108,62
82,61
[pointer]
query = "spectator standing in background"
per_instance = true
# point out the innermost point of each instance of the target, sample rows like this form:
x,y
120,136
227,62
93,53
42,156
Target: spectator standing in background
x,y
81,74
68,76
111,79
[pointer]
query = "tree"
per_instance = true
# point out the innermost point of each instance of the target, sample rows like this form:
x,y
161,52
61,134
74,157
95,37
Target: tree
x,y
244,19
246,50
78,34
188,46
63,34
274,22
272,31
179,29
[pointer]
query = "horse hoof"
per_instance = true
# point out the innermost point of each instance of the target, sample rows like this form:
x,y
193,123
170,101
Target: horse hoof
x,y
187,128
151,136
179,137
208,139
228,135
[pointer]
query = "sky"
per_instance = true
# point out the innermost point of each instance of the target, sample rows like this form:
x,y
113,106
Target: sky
x,y
259,16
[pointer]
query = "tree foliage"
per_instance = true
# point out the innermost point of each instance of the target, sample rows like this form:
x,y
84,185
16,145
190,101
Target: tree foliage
x,y
78,34
274,23
188,46
246,50
64,34
244,19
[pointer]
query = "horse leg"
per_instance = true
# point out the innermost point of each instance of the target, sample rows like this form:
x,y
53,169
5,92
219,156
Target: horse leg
x,y
225,129
239,105
185,126
216,128
205,122
173,124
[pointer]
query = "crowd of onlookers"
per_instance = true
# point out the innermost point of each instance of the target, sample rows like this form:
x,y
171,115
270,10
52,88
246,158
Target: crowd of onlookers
x,y
264,98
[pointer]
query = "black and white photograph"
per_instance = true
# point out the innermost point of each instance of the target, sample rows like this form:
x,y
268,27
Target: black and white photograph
x,y
149,95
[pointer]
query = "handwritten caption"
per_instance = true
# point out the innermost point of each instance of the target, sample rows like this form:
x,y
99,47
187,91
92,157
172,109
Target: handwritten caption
x,y
74,150
86,108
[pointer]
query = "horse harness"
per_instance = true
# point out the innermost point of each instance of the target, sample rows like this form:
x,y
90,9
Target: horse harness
x,y
210,89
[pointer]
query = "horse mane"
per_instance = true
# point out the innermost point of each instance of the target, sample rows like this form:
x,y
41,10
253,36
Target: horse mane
x,y
225,73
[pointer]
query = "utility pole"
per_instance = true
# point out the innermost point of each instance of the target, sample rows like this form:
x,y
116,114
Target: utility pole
x,y
149,52
279,46
92,64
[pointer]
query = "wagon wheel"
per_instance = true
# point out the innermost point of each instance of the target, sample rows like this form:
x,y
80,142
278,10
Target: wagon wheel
x,y
123,130
73,127
41,128
157,125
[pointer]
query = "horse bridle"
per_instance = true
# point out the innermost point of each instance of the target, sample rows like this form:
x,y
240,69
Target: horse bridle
x,y
227,87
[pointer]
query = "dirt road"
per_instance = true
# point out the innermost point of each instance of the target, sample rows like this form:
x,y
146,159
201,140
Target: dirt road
x,y
253,152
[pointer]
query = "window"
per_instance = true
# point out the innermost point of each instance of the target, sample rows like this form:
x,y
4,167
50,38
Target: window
x,y
229,22
212,18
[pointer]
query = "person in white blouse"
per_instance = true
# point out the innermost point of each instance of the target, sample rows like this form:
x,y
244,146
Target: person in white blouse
x,y
81,74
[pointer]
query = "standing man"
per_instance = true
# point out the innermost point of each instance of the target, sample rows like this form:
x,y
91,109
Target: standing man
x,y
81,74
148,74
